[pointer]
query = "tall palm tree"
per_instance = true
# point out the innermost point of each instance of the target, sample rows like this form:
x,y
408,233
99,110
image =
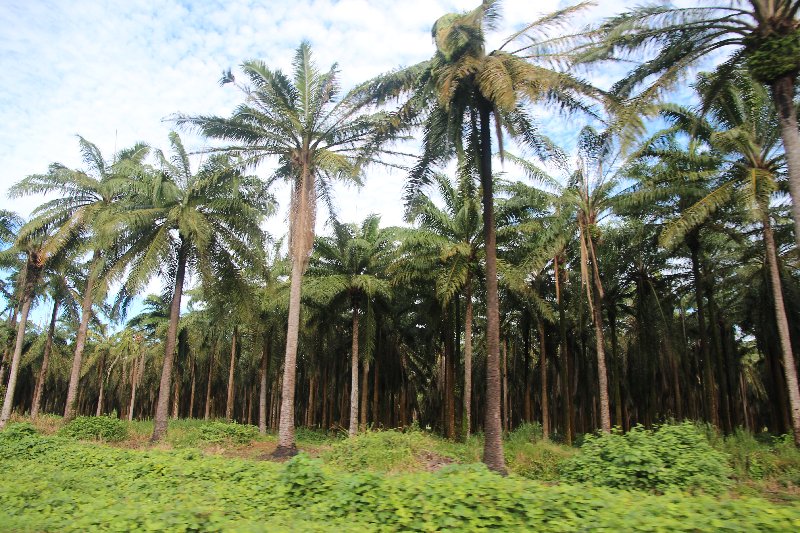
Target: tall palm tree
x,y
10,223
317,136
346,272
744,128
762,36
459,93
207,221
589,195
447,247
83,218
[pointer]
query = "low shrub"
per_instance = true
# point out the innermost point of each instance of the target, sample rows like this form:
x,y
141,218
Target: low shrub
x,y
228,432
666,458
103,428
765,459
378,451
541,460
19,430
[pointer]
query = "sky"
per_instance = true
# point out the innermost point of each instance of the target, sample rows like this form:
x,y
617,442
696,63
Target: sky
x,y
115,71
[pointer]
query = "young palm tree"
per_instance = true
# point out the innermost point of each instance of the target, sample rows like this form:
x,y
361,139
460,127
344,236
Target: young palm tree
x,y
762,36
208,221
317,136
83,219
346,272
459,92
447,247
744,128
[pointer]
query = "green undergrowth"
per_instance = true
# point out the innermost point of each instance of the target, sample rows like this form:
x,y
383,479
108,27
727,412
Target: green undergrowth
x,y
676,456
100,428
51,483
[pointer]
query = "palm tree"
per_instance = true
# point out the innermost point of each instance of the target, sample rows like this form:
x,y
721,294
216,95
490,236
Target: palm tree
x,y
35,260
447,247
208,221
589,195
458,92
744,128
10,223
345,272
83,218
317,136
762,36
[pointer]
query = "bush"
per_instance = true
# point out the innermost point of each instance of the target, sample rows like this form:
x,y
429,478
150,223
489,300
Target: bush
x,y
103,428
228,432
18,431
668,457
378,451
541,460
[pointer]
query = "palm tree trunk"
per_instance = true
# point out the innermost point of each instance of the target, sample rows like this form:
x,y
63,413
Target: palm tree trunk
x,y
194,383
262,392
101,397
493,442
789,368
693,242
162,405
353,429
543,374
48,347
597,318
783,95
468,359
207,413
231,367
32,277
80,338
364,409
135,371
562,334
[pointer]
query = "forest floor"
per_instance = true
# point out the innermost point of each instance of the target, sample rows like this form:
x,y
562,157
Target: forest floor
x,y
220,476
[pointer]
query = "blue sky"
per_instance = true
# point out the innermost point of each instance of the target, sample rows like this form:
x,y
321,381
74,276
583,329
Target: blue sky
x,y
113,71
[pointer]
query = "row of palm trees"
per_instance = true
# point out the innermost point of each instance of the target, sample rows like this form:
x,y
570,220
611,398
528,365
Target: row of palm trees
x,y
139,219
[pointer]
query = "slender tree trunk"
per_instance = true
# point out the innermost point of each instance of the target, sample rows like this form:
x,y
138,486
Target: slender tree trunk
x,y
162,405
783,95
102,380
493,442
562,333
193,366
597,318
207,413
364,396
789,367
176,391
468,359
354,376
33,271
135,372
80,338
262,392
693,242
543,374
42,377
231,367
8,350
506,414
375,392
301,232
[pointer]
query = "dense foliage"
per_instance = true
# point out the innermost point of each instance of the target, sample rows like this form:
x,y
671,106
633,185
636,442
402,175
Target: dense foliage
x,y
667,458
102,428
48,483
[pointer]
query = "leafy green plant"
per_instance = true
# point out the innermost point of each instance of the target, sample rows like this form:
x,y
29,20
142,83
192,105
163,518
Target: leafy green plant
x,y
378,451
103,428
19,431
231,432
666,458
769,459
73,486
